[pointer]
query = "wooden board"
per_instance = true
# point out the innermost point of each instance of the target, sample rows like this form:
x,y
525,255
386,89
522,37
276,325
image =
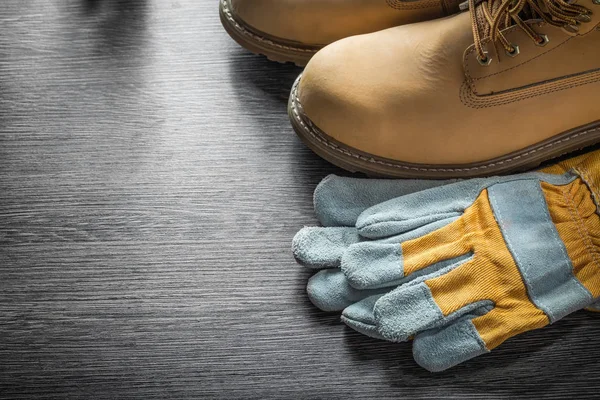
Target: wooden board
x,y
150,186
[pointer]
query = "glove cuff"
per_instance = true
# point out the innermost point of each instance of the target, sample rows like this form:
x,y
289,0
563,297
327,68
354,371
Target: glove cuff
x,y
573,210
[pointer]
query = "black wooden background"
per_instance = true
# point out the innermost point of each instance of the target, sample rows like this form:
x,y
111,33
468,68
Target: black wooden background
x,y
150,186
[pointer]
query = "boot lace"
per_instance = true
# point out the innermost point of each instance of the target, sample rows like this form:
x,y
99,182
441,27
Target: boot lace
x,y
490,17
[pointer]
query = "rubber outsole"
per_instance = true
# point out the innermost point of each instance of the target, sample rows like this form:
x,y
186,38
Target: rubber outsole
x,y
354,160
275,49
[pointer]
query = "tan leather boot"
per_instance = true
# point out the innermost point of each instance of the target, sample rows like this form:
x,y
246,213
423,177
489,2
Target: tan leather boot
x,y
484,92
294,30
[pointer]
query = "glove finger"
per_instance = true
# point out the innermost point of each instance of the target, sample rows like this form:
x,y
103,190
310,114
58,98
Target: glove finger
x,y
329,291
340,200
375,264
404,214
323,247
433,300
439,349
320,248
360,317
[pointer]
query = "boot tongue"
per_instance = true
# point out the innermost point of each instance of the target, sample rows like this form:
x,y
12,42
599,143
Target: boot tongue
x,y
526,13
562,12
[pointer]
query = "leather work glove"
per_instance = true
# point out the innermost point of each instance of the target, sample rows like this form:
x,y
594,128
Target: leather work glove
x,y
464,266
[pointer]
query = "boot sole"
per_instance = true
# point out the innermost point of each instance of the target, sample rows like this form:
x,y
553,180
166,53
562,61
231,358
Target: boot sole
x,y
275,49
354,160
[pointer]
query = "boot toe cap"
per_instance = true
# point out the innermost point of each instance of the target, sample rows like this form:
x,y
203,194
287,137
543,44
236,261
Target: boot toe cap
x,y
335,96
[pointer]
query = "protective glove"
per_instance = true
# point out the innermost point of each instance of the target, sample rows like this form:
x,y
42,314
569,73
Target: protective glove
x,y
338,202
465,266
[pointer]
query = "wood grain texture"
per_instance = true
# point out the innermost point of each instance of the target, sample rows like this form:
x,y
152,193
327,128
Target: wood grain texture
x,y
150,186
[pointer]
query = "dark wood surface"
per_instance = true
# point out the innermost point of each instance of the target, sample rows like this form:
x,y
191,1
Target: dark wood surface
x,y
150,186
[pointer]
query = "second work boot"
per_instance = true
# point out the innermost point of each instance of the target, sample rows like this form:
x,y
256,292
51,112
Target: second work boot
x,y
294,30
498,89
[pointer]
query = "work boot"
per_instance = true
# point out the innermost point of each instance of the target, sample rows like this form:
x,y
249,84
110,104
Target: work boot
x,y
500,88
294,30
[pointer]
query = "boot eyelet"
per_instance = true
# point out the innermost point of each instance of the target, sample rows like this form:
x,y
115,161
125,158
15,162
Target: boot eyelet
x,y
515,51
545,40
596,2
485,61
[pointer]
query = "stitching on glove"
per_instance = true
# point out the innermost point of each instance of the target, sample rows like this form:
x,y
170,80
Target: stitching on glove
x,y
587,179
